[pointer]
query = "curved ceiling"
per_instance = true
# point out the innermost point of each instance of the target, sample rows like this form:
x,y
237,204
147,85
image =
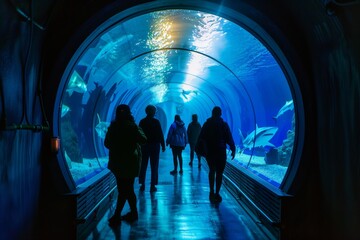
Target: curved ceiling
x,y
184,62
176,56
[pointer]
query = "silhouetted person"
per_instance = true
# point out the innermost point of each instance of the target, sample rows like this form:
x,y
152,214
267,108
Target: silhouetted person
x,y
122,139
193,132
155,137
177,139
216,134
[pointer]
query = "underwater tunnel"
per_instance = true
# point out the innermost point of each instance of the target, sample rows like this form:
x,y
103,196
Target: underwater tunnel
x,y
285,73
184,59
184,62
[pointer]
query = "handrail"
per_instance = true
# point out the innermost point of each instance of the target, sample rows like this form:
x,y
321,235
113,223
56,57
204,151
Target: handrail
x,y
84,219
252,203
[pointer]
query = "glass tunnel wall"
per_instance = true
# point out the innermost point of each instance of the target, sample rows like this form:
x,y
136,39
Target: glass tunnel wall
x,y
183,62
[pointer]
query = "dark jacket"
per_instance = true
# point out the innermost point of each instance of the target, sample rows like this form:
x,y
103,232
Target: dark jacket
x,y
121,139
193,132
216,134
152,129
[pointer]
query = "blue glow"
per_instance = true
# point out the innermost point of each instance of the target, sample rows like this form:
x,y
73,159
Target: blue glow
x,y
184,62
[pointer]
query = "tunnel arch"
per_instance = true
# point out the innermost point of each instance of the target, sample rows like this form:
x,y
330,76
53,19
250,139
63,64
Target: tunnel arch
x,y
242,21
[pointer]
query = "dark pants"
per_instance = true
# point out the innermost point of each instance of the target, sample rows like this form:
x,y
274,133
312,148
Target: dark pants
x,y
152,151
192,153
125,187
177,154
216,162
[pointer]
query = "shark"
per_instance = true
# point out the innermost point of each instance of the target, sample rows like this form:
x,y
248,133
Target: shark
x,y
76,84
288,106
260,137
101,128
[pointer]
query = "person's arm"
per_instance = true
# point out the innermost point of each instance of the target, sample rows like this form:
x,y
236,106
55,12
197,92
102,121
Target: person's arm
x,y
108,137
186,136
161,136
141,137
141,123
200,147
230,140
202,132
169,135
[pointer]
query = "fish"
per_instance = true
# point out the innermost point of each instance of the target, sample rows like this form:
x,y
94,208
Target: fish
x,y
101,128
76,84
288,106
64,110
260,137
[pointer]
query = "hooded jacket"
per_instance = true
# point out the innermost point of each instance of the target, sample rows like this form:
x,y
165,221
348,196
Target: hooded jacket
x,y
177,135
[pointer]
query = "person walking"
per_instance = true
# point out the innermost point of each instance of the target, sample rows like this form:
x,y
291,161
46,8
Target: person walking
x,y
155,137
215,134
177,139
122,139
193,132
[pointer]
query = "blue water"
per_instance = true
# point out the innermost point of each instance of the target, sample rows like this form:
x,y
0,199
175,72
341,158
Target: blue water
x,y
226,65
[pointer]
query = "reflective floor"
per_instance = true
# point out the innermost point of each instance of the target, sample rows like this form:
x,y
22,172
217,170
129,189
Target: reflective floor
x,y
180,209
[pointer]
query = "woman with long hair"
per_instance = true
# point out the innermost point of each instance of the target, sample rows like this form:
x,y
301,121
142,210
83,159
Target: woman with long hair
x,y
122,139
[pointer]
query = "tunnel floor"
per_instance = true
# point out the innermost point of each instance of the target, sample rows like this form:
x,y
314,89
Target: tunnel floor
x,y
180,209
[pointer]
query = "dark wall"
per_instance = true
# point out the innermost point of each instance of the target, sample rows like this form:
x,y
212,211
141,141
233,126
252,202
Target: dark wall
x,y
25,182
326,60
332,175
20,150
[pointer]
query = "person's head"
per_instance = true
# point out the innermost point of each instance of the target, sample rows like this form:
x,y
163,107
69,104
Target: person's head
x,y
150,110
177,117
216,112
123,112
194,117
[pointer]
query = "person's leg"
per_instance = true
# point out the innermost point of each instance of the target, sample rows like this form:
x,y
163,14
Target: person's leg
x,y
211,183
220,167
212,168
154,164
131,195
143,167
131,198
219,177
192,153
211,179
174,160
199,160
180,160
121,199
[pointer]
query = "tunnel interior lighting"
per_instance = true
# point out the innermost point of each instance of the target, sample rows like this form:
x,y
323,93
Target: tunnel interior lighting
x,y
183,62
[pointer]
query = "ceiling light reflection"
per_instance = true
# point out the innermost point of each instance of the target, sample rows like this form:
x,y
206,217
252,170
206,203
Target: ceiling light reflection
x,y
159,37
208,35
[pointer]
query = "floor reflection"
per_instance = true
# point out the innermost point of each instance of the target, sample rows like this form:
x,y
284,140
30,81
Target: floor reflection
x,y
180,209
